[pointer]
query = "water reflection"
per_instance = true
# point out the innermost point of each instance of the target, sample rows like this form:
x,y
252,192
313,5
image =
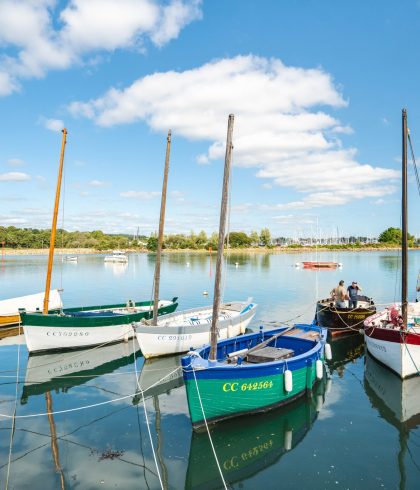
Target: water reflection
x,y
249,445
345,350
390,262
117,268
61,371
398,402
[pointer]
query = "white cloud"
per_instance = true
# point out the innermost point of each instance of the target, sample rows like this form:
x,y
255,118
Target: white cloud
x,y
280,129
98,183
15,162
38,36
14,177
55,125
144,195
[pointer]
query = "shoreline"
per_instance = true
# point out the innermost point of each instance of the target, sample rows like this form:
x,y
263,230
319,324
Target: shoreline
x,y
251,250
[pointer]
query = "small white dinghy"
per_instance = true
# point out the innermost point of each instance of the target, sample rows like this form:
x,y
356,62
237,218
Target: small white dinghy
x,y
179,332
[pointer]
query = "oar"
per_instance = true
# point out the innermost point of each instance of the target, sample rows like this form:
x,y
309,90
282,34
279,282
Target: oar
x,y
246,352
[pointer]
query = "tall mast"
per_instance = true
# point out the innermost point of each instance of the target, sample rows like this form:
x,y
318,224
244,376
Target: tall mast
x,y
404,255
54,225
161,226
222,232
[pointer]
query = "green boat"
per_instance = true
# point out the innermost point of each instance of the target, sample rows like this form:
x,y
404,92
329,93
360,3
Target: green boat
x,y
73,328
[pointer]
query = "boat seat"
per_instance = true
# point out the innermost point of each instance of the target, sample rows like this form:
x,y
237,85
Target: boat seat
x,y
268,354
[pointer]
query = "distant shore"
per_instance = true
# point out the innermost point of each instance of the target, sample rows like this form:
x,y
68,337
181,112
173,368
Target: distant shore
x,y
253,250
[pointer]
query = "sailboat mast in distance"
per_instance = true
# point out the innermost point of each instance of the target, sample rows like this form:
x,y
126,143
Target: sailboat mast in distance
x,y
222,232
54,224
161,227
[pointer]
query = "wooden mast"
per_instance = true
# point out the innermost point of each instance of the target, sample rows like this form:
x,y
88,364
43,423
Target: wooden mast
x,y
161,226
404,241
54,225
222,232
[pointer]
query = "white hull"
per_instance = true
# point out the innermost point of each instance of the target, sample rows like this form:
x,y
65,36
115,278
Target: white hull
x,y
171,337
40,338
30,303
397,349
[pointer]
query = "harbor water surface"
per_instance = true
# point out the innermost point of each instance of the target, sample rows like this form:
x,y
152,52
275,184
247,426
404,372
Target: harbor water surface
x,y
358,430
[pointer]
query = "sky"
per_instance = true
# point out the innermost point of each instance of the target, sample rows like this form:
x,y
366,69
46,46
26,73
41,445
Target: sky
x,y
316,88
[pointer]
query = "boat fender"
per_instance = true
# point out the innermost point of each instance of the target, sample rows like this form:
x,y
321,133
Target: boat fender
x,y
288,380
126,338
327,352
288,439
361,331
319,367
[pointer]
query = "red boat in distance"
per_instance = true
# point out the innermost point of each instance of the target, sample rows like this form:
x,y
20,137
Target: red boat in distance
x,y
321,265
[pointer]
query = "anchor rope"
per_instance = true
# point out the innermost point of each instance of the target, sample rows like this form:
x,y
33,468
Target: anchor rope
x,y
208,432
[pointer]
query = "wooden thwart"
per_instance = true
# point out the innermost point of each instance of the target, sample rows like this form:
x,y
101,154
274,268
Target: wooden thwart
x,y
268,354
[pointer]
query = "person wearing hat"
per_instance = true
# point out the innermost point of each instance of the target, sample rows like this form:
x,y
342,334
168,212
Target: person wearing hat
x,y
353,292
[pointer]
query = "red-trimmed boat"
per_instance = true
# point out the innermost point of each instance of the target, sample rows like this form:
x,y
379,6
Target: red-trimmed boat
x,y
392,336
321,265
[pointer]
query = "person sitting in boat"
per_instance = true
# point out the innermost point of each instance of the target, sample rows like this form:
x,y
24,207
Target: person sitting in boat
x,y
353,292
340,295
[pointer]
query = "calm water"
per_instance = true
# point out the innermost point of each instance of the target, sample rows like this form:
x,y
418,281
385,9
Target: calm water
x,y
358,430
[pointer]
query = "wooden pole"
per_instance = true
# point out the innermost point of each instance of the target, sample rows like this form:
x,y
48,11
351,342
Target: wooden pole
x,y
54,225
222,233
404,241
161,227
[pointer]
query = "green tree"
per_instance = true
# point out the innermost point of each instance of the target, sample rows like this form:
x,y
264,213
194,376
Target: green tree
x,y
265,237
393,235
255,239
238,239
152,244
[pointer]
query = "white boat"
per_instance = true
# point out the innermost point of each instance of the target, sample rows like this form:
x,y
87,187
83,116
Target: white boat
x,y
70,258
9,308
392,335
74,328
396,347
118,256
178,332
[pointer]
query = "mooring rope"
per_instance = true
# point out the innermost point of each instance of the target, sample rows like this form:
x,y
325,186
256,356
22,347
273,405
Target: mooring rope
x,y
208,432
148,425
12,429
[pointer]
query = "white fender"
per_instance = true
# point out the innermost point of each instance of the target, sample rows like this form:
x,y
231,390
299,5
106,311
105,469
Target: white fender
x,y
328,385
327,352
319,369
288,380
319,403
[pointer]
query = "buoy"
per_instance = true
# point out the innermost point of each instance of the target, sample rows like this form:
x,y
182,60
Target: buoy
x,y
205,293
288,380
340,264
297,264
327,352
188,264
236,264
288,439
319,403
319,367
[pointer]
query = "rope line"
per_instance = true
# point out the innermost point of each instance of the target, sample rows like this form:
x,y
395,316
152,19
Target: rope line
x,y
12,431
208,432
148,424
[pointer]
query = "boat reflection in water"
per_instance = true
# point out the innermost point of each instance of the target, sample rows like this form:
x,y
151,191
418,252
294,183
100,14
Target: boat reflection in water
x,y
159,375
246,446
398,402
63,370
344,351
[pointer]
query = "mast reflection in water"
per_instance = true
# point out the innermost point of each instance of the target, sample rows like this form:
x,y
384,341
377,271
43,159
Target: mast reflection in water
x,y
398,402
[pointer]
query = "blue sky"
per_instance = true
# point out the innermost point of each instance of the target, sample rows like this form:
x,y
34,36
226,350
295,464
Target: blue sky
x,y
316,87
